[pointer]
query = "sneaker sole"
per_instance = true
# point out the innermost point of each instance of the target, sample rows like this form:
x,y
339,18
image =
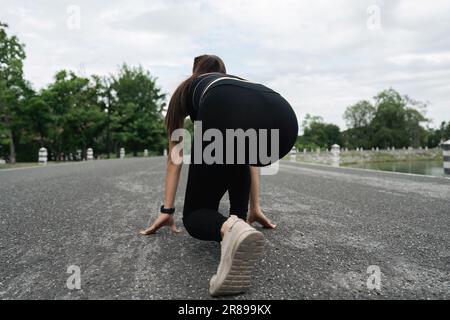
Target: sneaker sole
x,y
249,249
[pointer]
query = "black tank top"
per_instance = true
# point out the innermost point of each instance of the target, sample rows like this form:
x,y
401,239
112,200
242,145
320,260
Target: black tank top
x,y
199,86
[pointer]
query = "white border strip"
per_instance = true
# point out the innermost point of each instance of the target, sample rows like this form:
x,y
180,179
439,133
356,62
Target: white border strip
x,y
47,165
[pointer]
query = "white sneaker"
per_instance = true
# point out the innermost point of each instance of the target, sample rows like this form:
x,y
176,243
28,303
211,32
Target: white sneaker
x,y
242,245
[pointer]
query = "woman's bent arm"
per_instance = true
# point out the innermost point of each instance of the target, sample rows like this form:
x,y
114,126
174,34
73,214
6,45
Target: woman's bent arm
x,y
254,189
173,171
256,213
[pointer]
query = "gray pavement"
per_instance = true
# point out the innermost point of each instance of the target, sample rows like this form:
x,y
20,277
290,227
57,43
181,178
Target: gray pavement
x,y
332,225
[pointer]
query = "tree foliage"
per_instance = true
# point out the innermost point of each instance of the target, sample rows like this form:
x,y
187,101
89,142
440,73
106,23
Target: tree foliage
x,y
316,133
13,89
74,112
391,120
137,106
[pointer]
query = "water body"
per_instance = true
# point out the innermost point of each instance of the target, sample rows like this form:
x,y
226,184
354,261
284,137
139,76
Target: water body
x,y
425,167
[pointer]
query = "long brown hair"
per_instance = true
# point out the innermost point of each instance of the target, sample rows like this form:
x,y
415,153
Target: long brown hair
x,y
177,110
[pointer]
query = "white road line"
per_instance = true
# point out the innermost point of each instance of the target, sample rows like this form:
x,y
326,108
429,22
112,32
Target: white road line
x,y
43,166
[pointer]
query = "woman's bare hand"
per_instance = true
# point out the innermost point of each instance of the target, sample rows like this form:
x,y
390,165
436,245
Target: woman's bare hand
x,y
258,216
163,220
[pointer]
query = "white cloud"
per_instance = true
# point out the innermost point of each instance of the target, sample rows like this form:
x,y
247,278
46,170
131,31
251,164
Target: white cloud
x,y
426,58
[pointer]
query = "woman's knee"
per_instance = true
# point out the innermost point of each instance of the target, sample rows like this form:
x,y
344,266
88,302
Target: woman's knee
x,y
193,225
204,224
189,225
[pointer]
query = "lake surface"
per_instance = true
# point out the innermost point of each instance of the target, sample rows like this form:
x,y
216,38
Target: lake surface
x,y
425,167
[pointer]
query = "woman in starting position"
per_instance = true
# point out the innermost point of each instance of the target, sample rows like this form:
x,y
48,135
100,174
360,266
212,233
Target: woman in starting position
x,y
221,101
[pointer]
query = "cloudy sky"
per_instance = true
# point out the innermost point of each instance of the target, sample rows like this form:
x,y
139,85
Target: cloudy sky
x,y
320,55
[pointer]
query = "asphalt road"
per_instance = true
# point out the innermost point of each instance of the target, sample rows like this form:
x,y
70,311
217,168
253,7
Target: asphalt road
x,y
332,225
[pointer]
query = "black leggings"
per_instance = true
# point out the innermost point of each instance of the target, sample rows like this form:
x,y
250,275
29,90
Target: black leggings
x,y
205,187
232,106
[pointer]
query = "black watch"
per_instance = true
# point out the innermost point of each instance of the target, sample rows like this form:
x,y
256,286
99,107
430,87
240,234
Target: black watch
x,y
168,211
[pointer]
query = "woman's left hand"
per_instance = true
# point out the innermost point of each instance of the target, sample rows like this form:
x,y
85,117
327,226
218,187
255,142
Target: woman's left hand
x,y
258,216
163,219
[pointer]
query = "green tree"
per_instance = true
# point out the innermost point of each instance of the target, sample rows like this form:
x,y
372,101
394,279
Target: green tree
x,y
106,99
13,88
389,122
358,118
77,117
75,112
439,135
398,120
38,117
137,105
445,131
316,133
360,114
416,134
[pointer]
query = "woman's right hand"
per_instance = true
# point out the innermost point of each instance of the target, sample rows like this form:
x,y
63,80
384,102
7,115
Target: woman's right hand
x,y
164,220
